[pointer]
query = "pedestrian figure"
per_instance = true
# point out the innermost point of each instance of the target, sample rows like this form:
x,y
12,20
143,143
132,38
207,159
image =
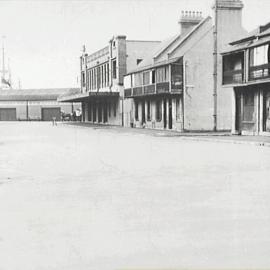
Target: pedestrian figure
x,y
74,116
54,121
78,114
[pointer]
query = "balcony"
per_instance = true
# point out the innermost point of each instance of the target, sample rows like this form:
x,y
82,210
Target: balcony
x,y
163,87
259,72
233,76
137,91
149,89
128,93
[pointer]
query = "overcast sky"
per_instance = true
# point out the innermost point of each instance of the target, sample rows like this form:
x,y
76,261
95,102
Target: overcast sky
x,y
44,38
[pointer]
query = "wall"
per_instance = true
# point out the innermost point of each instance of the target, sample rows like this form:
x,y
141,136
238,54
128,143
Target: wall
x,y
229,28
198,93
138,50
34,108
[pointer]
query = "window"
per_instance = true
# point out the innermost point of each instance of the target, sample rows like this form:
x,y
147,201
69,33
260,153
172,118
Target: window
x,y
105,75
98,77
127,81
177,76
95,78
101,76
153,79
148,110
146,78
158,110
138,61
136,111
162,74
83,79
108,78
138,79
114,69
259,55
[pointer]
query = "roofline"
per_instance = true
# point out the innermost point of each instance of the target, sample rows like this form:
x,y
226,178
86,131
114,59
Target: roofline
x,y
155,65
35,89
163,49
134,40
245,48
242,40
191,32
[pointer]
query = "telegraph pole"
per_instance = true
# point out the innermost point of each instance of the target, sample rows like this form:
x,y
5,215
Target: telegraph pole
x,y
215,60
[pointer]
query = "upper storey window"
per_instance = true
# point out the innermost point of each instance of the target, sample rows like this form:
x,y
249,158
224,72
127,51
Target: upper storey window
x,y
137,79
259,62
162,74
233,68
114,69
146,78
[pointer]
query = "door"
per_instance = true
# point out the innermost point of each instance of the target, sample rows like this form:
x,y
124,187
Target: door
x,y
248,118
143,112
94,112
170,113
99,112
165,113
47,114
266,111
8,114
89,111
238,112
105,112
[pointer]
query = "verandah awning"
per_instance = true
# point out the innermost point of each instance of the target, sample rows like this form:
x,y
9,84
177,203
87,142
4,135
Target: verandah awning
x,y
86,96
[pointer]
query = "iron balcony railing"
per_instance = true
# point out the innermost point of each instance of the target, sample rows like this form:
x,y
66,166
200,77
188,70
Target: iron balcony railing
x,y
152,89
233,76
259,72
128,92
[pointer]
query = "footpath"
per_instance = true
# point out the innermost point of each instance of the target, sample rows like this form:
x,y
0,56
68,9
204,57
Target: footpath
x,y
226,137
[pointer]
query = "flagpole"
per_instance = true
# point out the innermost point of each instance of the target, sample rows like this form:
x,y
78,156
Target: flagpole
x,y
3,58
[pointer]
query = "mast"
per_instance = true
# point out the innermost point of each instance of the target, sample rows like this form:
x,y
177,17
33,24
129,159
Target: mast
x,y
5,82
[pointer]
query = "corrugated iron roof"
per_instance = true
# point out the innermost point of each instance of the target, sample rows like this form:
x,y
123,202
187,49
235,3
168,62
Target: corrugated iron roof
x,y
248,44
34,94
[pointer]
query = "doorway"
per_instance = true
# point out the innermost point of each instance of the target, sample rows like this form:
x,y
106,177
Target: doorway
x,y
165,113
143,112
238,111
170,113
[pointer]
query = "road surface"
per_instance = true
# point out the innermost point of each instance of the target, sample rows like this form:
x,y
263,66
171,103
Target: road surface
x,y
94,198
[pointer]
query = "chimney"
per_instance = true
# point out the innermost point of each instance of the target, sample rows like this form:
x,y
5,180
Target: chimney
x,y
188,20
228,21
228,4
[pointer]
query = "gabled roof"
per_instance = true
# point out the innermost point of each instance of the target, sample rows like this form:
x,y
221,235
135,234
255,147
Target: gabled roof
x,y
34,94
167,47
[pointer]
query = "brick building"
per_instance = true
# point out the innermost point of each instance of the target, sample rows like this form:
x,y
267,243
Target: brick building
x,y
179,85
102,73
246,72
34,104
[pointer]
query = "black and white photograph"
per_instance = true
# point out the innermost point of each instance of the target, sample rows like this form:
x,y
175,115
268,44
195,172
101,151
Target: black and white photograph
x,y
134,134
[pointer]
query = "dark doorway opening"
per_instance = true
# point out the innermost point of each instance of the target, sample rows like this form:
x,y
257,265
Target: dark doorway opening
x,y
89,111
143,112
238,111
99,112
170,113
105,112
165,113
94,112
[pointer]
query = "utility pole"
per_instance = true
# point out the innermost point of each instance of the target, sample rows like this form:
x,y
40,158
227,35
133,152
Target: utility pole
x,y
215,58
